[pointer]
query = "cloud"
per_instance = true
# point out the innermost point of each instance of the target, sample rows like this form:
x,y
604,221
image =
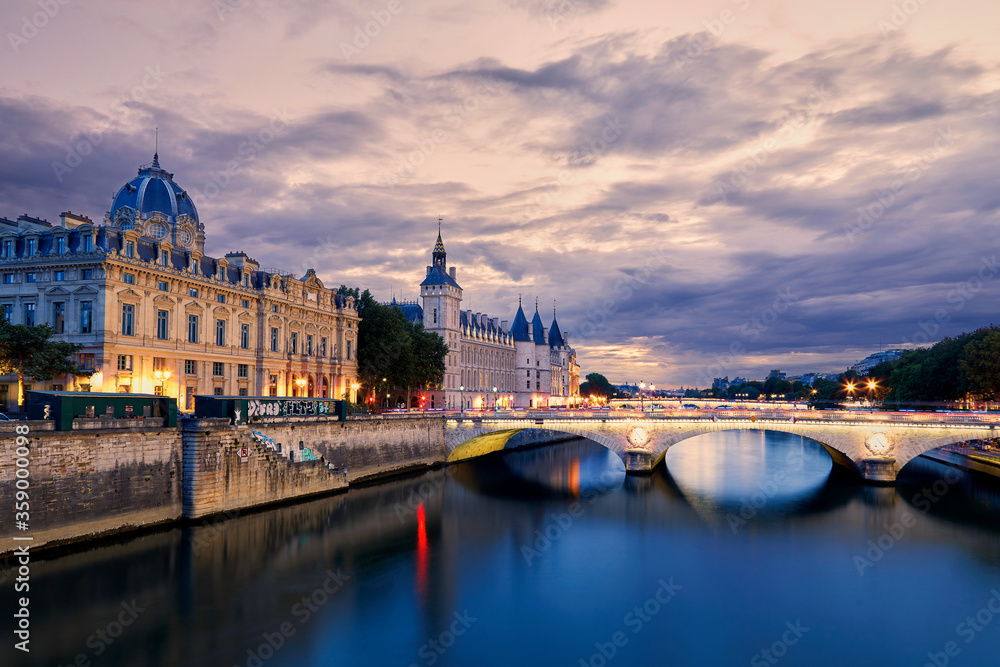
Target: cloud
x,y
665,190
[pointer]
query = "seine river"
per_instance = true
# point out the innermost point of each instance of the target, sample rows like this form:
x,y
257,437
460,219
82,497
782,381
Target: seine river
x,y
751,550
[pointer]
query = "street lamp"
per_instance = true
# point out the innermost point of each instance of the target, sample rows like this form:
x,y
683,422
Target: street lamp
x,y
301,384
642,388
162,376
652,394
872,386
354,392
461,388
850,390
494,399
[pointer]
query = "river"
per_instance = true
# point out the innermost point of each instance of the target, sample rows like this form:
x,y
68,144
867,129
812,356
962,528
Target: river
x,y
749,549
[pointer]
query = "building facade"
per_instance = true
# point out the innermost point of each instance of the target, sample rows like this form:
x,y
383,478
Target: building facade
x,y
140,295
490,364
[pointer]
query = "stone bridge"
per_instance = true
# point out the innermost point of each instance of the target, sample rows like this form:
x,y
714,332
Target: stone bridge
x,y
874,445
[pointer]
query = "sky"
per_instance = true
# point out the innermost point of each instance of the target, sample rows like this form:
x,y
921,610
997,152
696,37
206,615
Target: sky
x,y
703,189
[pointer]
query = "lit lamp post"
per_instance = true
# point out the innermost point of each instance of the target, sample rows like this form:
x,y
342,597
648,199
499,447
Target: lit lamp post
x,y
642,388
494,399
850,391
162,376
301,384
652,394
461,388
872,386
354,392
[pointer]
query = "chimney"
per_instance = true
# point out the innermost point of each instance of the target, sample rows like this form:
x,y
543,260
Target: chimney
x,y
451,272
428,270
503,326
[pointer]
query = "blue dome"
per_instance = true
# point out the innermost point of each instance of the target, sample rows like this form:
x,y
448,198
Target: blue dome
x,y
153,191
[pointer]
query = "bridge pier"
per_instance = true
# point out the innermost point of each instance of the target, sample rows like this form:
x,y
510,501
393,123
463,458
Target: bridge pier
x,y
638,461
879,470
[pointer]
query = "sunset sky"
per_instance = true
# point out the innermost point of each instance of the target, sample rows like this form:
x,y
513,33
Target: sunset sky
x,y
706,189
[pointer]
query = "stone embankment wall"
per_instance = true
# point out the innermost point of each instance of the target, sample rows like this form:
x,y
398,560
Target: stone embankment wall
x,y
82,484
89,483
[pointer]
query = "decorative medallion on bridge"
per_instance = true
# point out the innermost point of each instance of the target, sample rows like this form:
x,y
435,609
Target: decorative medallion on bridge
x,y
638,436
878,444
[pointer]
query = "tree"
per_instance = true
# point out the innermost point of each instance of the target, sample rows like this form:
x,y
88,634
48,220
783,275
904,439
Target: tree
x,y
598,385
981,366
392,351
28,351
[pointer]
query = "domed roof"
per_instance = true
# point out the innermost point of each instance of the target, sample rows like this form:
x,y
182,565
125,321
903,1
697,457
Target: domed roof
x,y
153,191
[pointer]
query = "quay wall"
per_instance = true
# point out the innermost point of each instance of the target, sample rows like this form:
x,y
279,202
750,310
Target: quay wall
x,y
87,483
94,482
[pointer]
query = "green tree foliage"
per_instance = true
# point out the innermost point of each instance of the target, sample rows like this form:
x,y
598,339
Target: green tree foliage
x,y
597,385
392,351
981,365
31,352
933,375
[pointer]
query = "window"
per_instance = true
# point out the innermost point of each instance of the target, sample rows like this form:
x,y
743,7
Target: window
x,y
274,339
218,368
30,247
222,273
322,347
162,322
29,277
348,350
242,370
190,367
294,342
159,364
59,276
129,249
218,391
61,245
164,287
88,243
246,303
528,385
529,373
246,280
124,362
87,274
274,307
86,316
8,279
221,298
8,249
243,391
164,257
128,320
84,387
192,328
193,292
29,314
220,332
435,316
129,278
273,385
59,317
245,336
7,312
309,344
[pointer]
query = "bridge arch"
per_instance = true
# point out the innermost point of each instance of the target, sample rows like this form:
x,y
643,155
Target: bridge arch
x,y
874,446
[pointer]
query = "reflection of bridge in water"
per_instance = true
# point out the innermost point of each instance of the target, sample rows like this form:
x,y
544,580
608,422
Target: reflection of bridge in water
x,y
874,445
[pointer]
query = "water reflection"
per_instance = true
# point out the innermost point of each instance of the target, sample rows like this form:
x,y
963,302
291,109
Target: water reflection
x,y
569,470
743,475
546,549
